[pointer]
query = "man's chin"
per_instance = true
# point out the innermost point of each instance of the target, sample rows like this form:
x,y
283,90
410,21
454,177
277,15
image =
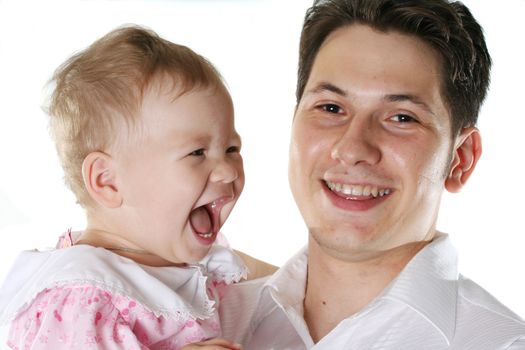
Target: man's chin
x,y
343,244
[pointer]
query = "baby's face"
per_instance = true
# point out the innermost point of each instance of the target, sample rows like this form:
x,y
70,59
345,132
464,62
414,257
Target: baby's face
x,y
181,172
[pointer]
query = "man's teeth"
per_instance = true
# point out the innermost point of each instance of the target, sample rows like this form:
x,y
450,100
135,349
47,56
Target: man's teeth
x,y
358,190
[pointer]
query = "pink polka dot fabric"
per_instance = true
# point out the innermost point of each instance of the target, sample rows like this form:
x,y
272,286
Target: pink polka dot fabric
x,y
86,317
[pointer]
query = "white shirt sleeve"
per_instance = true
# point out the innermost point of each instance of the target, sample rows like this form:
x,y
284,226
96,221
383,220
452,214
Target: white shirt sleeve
x,y
518,344
237,308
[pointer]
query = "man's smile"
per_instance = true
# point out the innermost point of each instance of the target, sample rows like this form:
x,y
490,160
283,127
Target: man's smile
x,y
352,191
355,198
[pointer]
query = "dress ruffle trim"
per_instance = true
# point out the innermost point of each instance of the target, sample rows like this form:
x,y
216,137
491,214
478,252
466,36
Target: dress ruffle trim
x,y
172,292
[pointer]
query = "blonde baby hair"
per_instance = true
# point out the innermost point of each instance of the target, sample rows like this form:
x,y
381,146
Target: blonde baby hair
x,y
102,86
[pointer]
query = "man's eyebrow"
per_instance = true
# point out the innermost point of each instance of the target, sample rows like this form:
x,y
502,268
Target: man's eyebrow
x,y
324,86
410,98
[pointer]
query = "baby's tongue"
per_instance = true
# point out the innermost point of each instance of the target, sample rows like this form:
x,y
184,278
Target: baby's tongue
x,y
200,220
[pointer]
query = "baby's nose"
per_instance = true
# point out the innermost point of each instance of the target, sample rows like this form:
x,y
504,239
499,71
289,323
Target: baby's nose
x,y
224,171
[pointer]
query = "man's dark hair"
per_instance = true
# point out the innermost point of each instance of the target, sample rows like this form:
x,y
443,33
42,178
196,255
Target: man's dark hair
x,y
448,27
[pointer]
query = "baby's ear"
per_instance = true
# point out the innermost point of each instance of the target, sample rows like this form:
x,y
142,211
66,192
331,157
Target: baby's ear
x,y
99,173
467,151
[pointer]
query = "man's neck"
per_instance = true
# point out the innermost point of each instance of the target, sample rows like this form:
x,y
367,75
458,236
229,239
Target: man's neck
x,y
337,289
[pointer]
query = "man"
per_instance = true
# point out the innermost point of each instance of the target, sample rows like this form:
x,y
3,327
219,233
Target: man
x,y
387,102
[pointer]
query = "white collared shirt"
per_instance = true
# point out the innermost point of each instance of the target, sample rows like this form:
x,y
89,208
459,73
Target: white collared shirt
x,y
428,306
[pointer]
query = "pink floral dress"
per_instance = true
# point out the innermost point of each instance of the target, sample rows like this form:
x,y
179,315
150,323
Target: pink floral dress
x,y
82,297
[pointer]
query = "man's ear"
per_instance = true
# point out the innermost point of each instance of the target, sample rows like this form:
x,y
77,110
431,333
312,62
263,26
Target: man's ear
x,y
467,151
99,173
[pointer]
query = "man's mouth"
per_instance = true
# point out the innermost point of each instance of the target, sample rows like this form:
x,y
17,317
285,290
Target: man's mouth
x,y
355,191
205,220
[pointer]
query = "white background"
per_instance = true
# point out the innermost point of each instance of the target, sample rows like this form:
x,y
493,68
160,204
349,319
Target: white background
x,y
254,44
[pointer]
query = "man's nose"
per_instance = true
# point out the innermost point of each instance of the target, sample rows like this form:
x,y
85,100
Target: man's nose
x,y
357,144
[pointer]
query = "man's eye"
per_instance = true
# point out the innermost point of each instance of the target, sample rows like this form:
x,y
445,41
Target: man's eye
x,y
403,118
233,149
331,108
198,152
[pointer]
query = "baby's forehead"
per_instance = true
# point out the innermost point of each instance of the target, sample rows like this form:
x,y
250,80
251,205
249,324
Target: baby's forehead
x,y
165,102
163,86
179,83
161,100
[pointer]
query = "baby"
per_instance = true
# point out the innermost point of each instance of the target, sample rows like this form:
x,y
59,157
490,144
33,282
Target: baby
x,y
145,132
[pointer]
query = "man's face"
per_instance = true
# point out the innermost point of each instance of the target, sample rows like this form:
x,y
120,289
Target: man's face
x,y
371,143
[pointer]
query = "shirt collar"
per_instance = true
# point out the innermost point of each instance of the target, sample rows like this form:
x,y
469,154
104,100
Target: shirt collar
x,y
293,273
286,289
428,284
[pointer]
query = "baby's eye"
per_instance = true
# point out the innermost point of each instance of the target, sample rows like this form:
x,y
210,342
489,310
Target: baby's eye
x,y
403,118
233,149
198,152
331,108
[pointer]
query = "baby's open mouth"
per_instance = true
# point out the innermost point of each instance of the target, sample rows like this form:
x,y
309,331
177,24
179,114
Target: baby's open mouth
x,y
205,220
202,221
